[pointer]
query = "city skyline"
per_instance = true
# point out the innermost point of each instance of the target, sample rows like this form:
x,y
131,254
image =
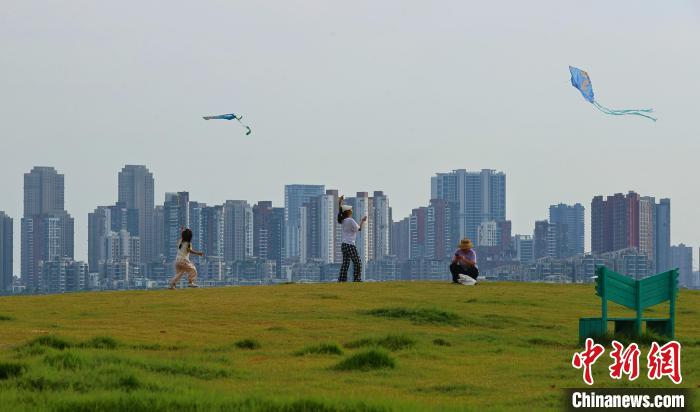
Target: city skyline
x,y
407,90
249,204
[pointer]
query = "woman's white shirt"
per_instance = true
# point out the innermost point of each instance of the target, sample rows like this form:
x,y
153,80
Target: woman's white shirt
x,y
350,229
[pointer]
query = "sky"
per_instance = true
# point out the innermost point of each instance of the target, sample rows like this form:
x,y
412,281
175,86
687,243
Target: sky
x,y
359,96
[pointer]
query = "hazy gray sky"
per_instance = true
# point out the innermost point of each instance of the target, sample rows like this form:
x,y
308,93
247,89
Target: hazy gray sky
x,y
402,88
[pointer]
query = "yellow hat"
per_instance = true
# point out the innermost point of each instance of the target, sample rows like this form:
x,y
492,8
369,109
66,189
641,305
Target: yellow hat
x,y
465,243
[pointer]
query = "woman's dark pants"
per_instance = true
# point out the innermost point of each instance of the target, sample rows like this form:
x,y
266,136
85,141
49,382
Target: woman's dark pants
x,y
458,269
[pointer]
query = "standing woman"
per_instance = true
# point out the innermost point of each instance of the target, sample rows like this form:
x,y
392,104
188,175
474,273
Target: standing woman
x,y
349,234
182,261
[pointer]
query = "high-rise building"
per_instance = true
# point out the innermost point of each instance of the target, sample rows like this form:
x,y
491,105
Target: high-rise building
x,y
682,258
276,239
442,228
524,248
119,260
662,235
295,196
647,227
417,233
600,220
480,196
99,226
540,239
337,256
268,240
136,191
380,219
630,221
505,230
214,222
44,238
320,231
262,220
158,248
328,228
123,218
572,216
62,275
44,191
494,235
400,239
629,236
696,275
104,221
238,230
197,223
47,229
615,222
310,230
6,250
550,240
121,246
558,244
487,234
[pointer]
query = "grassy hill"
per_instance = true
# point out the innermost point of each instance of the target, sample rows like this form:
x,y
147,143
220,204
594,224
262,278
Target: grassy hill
x,y
321,347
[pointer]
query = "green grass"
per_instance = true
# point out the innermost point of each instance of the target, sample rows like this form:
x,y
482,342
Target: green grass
x,y
250,344
101,342
49,341
10,370
390,342
64,360
499,346
434,316
142,403
441,342
321,349
366,361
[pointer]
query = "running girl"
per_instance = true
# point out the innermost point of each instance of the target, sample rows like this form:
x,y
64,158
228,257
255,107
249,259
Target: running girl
x,y
182,261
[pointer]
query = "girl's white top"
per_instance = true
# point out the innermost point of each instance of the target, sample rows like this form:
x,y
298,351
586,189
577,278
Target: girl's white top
x,y
350,229
183,252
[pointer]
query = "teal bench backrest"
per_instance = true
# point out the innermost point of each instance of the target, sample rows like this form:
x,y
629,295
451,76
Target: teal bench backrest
x,y
636,294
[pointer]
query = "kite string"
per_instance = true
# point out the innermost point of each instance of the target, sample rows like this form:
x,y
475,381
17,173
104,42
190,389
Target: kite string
x,y
248,129
243,124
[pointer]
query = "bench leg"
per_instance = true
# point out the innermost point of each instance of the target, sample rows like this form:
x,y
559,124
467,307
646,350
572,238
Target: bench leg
x,y
590,328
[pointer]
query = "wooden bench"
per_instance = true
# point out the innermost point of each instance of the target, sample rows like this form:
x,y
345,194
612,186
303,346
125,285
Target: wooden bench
x,y
634,294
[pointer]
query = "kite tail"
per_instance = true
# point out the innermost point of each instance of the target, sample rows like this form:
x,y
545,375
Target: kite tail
x,y
248,129
635,112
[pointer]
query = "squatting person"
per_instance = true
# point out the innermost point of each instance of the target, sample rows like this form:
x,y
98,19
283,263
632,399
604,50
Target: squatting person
x,y
464,263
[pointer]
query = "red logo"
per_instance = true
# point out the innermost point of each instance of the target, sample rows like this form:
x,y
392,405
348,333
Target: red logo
x,y
626,361
665,361
661,361
587,358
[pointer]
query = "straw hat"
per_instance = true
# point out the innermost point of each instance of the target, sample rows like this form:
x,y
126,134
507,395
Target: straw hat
x,y
465,243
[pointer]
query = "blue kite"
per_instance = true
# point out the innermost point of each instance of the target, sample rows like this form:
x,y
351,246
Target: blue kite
x,y
581,81
230,116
